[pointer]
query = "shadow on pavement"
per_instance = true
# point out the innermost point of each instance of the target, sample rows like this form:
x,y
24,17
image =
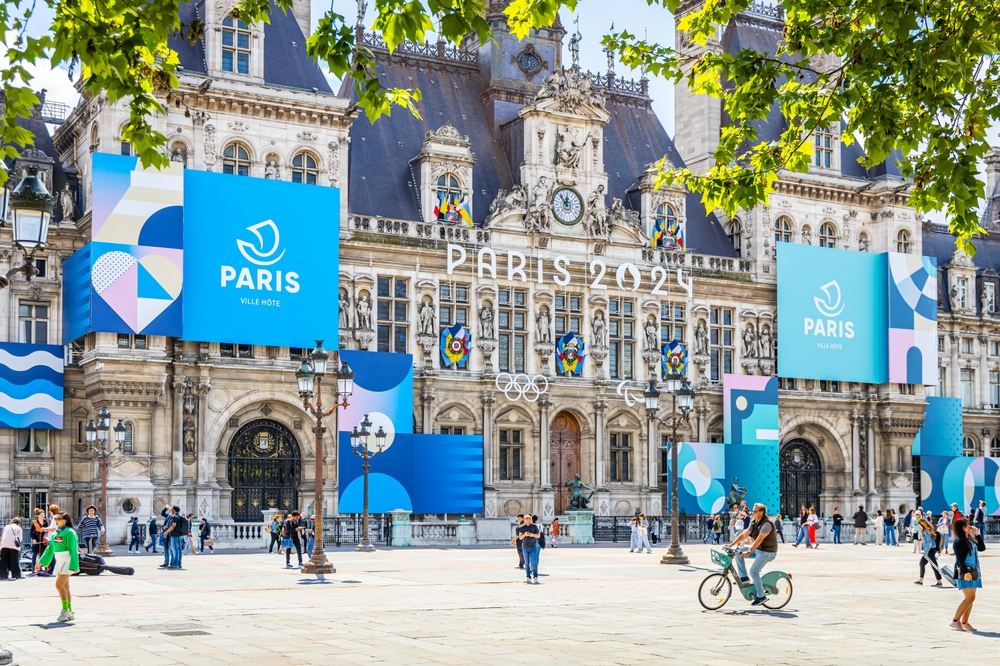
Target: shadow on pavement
x,y
785,615
52,625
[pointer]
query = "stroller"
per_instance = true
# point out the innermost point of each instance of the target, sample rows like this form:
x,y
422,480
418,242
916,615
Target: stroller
x,y
93,565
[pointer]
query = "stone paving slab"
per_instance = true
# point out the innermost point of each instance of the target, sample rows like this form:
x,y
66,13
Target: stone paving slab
x,y
596,605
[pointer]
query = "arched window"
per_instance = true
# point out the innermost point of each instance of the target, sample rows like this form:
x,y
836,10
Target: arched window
x,y
735,234
449,193
995,447
126,148
665,220
863,242
827,235
782,230
903,241
236,159
304,169
969,446
95,139
235,46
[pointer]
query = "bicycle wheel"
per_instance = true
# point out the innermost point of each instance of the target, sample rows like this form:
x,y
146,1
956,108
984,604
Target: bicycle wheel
x,y
715,591
781,595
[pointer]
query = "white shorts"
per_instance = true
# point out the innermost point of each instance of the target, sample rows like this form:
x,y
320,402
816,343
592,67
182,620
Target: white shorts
x,y
61,564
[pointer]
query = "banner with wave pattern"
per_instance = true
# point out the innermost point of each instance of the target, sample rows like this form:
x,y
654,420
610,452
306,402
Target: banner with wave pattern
x,y
31,386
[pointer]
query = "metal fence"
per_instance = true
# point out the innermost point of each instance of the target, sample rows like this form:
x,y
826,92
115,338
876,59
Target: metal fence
x,y
347,529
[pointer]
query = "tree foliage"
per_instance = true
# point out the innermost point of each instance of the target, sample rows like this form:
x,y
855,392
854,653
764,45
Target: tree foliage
x,y
915,80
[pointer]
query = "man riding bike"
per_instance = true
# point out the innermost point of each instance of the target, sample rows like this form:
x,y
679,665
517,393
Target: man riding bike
x,y
763,547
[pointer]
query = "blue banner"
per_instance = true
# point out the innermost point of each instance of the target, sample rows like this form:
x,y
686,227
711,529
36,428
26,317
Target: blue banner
x,y
31,386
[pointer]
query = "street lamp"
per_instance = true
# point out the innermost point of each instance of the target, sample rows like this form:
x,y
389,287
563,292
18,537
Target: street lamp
x,y
359,444
310,380
683,400
31,206
99,434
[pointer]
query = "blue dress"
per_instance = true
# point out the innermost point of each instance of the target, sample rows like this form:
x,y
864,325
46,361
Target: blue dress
x,y
971,561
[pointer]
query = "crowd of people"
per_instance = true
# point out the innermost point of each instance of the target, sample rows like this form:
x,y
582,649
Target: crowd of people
x,y
289,531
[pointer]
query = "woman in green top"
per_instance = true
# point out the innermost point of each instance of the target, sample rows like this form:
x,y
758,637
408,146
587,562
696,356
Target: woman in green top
x,y
64,547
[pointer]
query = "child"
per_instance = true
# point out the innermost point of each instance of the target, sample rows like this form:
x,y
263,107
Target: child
x,y
64,547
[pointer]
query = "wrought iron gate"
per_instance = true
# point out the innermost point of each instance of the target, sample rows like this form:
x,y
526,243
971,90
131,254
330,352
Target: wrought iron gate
x,y
264,470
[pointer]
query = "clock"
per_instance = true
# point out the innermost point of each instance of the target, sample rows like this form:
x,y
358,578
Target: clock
x,y
567,205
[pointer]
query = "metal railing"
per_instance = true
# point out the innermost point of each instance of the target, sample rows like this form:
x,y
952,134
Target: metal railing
x,y
347,530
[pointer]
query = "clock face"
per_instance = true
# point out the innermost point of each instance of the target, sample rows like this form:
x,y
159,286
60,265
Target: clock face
x,y
567,205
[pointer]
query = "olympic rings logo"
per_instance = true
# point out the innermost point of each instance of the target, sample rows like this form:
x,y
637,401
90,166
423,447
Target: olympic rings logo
x,y
516,387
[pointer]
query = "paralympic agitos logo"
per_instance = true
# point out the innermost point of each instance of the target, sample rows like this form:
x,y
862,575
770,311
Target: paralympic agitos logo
x,y
830,306
264,254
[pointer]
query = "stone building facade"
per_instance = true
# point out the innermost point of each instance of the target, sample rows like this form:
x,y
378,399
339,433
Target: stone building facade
x,y
555,167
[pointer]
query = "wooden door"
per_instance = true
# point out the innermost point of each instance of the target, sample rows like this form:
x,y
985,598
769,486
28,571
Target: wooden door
x,y
564,457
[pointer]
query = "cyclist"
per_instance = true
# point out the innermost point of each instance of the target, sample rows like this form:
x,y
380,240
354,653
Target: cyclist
x,y
763,547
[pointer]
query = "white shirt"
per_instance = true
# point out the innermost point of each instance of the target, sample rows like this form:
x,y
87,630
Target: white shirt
x,y
10,533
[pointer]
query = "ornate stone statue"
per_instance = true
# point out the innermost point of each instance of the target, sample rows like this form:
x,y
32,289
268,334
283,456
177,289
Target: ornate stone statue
x,y
543,325
570,89
540,213
577,500
177,156
749,342
568,152
486,331
271,171
66,200
600,329
618,214
701,339
765,341
189,436
574,44
806,236
344,314
597,214
364,311
426,318
362,10
985,307
736,494
516,199
652,335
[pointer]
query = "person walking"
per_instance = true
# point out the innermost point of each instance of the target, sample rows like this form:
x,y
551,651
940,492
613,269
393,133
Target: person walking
x,y
929,548
812,521
153,531
955,512
554,531
39,537
528,534
518,542
967,545
187,541
311,536
275,531
838,524
918,529
135,535
906,531
860,525
979,517
63,551
803,528
294,528
205,536
717,530
644,533
709,522
634,539
890,528
10,550
944,527
879,528
91,528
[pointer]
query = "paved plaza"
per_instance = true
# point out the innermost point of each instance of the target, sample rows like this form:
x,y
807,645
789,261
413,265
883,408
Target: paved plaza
x,y
596,605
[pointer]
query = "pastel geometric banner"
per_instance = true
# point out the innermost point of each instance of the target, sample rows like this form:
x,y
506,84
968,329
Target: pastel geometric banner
x,y
941,433
31,386
913,299
456,345
419,473
964,481
708,472
750,405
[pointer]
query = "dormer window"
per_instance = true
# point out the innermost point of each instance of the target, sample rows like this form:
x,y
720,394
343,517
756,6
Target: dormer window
x,y
827,235
824,148
235,46
666,231
304,169
451,206
236,159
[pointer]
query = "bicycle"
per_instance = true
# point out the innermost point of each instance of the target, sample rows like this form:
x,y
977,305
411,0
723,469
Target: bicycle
x,y
716,589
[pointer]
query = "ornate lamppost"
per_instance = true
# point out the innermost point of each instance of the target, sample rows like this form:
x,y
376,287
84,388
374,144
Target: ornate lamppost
x,y
31,206
359,444
99,434
683,400
310,376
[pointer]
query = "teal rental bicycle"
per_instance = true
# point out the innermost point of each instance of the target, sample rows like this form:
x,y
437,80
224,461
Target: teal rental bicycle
x,y
716,589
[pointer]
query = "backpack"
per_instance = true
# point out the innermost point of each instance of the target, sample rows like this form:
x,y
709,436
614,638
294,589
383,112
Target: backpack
x,y
183,526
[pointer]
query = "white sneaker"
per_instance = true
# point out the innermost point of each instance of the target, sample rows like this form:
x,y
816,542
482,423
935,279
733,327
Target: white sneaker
x,y
63,616
72,616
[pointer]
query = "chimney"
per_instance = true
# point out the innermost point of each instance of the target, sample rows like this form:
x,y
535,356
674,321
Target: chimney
x,y
992,160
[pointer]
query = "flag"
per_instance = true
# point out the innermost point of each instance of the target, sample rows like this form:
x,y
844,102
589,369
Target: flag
x,y
675,235
656,238
441,209
673,358
456,344
569,355
463,210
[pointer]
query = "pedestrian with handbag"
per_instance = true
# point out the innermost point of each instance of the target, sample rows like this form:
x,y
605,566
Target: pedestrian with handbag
x,y
205,536
967,545
292,534
10,550
929,544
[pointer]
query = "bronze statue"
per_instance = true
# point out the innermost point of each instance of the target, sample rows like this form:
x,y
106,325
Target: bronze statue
x,y
577,500
736,494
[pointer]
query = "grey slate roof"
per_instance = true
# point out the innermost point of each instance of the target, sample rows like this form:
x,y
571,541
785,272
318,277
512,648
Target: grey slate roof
x,y
285,61
43,142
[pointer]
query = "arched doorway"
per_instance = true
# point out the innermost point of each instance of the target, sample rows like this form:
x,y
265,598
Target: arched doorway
x,y
264,470
564,456
801,477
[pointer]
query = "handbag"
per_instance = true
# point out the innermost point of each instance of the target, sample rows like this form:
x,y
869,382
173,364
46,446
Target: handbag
x,y
209,542
287,543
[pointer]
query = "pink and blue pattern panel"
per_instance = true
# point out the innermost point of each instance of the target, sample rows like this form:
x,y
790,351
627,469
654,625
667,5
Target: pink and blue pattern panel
x,y
31,386
708,471
913,300
750,409
964,481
